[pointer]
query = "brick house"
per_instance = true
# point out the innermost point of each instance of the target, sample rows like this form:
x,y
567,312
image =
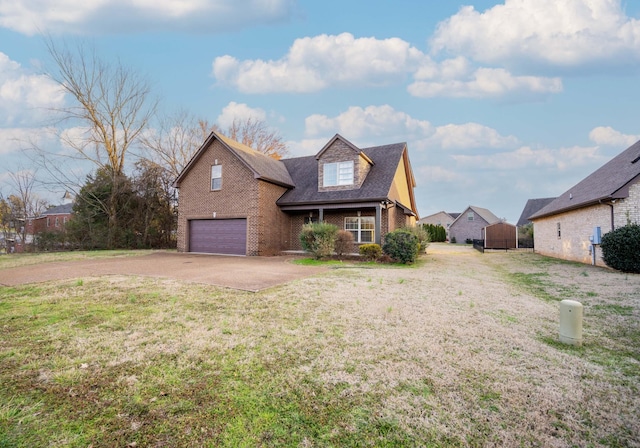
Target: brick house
x,y
442,218
469,224
234,200
608,198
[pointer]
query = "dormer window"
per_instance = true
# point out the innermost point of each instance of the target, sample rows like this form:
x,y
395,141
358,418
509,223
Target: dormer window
x,y
337,173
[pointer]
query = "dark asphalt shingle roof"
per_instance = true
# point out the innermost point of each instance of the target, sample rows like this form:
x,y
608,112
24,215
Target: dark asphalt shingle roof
x,y
304,172
59,210
265,167
604,184
532,206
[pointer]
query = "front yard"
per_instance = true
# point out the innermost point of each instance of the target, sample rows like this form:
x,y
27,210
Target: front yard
x,y
458,351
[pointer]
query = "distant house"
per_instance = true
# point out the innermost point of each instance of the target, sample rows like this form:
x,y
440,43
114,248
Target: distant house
x,y
53,219
608,198
235,200
469,224
532,207
442,218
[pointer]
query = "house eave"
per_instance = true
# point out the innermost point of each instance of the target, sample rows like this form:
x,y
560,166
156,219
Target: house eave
x,y
347,203
602,200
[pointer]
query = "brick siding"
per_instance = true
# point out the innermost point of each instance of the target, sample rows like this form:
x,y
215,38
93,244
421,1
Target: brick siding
x,y
341,152
238,197
577,226
464,229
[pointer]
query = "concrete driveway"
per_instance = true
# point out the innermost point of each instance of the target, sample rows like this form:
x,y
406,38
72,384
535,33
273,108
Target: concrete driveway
x,y
245,273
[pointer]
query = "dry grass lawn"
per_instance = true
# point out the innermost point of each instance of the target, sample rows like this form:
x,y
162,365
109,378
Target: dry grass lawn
x,y
460,350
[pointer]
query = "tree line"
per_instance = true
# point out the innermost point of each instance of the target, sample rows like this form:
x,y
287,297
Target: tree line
x,y
112,124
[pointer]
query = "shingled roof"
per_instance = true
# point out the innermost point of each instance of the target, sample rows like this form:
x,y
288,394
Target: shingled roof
x,y
532,206
59,210
263,167
609,182
304,172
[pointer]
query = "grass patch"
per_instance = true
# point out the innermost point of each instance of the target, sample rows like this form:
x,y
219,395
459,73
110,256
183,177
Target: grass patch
x,y
17,260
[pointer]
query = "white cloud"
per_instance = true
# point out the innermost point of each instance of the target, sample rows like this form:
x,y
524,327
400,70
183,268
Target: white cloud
x,y
314,63
469,135
481,83
372,122
24,96
554,32
358,122
607,136
18,139
239,111
526,158
34,16
437,174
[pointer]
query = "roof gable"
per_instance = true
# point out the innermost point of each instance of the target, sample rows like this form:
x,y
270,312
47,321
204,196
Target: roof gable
x,y
606,183
532,206
484,213
347,143
376,186
263,167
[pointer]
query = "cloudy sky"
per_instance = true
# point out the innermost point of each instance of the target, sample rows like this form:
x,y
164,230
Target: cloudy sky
x,y
498,102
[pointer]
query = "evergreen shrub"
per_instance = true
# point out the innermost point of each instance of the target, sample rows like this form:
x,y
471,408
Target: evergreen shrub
x,y
402,246
319,239
371,251
621,248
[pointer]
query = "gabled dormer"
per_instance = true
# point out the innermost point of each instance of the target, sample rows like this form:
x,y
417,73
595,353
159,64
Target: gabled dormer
x,y
341,165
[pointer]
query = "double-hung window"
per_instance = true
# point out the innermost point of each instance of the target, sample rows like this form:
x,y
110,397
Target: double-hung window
x,y
362,228
216,177
337,173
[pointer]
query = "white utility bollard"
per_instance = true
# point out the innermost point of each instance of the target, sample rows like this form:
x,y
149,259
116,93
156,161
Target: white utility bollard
x,y
571,322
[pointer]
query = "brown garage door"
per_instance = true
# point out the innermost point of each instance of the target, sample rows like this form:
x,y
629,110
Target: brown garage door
x,y
218,236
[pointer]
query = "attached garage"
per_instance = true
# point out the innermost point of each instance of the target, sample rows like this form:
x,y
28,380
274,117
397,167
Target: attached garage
x,y
218,236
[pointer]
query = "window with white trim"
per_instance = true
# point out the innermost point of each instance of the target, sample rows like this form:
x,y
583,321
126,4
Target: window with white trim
x,y
362,228
337,173
216,177
559,231
470,216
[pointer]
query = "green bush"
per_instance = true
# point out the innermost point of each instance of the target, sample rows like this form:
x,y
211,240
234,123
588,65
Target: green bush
x,y
423,236
371,251
402,246
344,242
621,248
319,239
437,233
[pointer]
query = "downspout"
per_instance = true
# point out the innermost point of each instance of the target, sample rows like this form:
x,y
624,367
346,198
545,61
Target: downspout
x,y
378,224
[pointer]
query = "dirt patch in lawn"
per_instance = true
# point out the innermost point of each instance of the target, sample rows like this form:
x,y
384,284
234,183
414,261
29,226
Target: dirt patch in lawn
x,y
245,273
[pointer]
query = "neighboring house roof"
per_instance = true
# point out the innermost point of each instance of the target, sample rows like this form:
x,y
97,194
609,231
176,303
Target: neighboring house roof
x,y
263,167
611,181
482,212
450,215
59,210
304,172
532,206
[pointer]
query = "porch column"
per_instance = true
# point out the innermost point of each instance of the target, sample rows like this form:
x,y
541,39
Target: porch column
x,y
320,214
378,224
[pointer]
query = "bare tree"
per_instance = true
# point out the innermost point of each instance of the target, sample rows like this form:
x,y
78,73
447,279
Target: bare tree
x,y
22,205
111,107
174,141
256,134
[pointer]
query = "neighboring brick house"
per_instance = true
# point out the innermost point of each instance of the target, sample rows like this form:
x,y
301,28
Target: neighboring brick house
x,y
469,224
608,198
234,200
53,219
442,218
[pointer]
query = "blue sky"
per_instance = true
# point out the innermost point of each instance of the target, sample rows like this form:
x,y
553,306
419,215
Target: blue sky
x,y
498,102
